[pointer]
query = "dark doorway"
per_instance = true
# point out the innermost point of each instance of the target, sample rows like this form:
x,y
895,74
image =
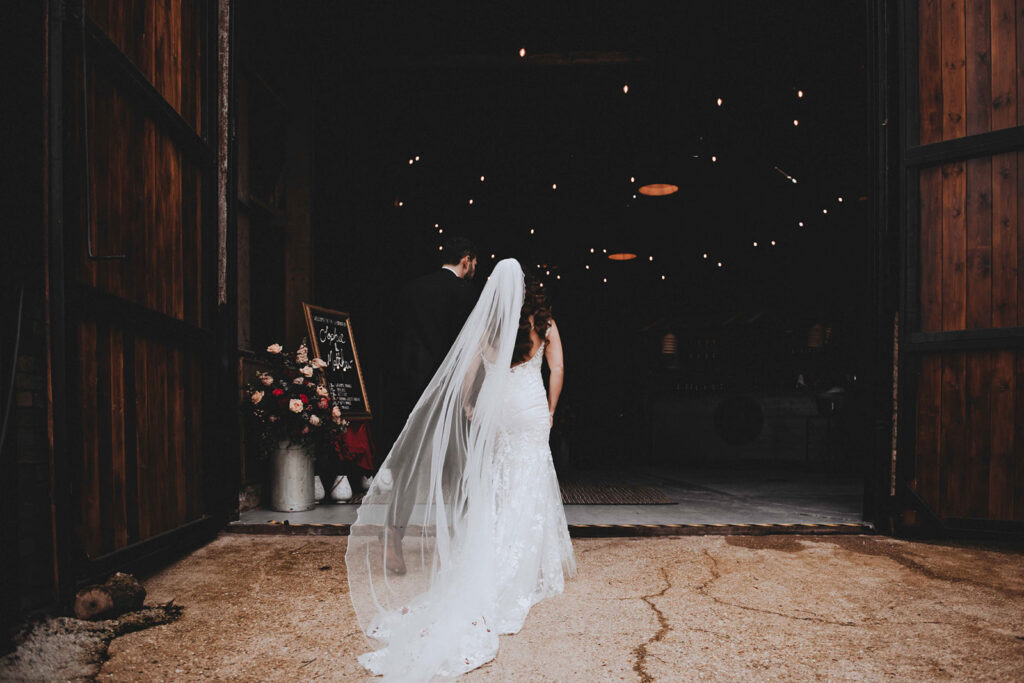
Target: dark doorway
x,y
726,359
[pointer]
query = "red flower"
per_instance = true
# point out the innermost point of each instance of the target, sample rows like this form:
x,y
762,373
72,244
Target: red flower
x,y
323,404
278,392
304,398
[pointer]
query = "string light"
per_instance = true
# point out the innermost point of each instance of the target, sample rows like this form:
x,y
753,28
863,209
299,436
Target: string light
x,y
471,202
606,280
531,231
558,277
492,255
796,122
410,162
719,264
481,179
437,225
522,52
824,210
401,203
705,255
662,277
719,101
625,91
800,224
632,179
547,272
713,158
755,244
554,186
587,266
800,94
651,259
634,196
604,251
417,157
840,200
591,250
440,248
440,231
773,243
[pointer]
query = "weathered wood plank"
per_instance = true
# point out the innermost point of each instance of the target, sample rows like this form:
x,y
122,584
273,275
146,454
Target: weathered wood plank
x,y
1001,462
953,448
930,70
978,67
1004,81
118,518
979,434
954,95
979,244
931,249
928,461
90,520
954,247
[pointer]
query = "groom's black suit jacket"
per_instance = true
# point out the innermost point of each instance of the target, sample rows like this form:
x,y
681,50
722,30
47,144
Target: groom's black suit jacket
x,y
431,312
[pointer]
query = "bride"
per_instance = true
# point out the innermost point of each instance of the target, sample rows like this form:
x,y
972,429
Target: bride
x,y
479,535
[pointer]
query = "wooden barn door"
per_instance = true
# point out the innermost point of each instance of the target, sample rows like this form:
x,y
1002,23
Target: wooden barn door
x,y
139,243
962,408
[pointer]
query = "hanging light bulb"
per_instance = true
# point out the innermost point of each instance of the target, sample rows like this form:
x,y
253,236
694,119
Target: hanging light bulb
x,y
773,243
625,89
410,162
522,52
796,122
824,210
719,101
417,157
531,231
482,179
662,277
492,255
800,224
705,255
719,264
606,280
713,158
651,259
471,202
591,250
800,94
840,200
440,231
587,266
755,244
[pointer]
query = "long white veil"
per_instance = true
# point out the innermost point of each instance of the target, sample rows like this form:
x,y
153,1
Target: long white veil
x,y
433,619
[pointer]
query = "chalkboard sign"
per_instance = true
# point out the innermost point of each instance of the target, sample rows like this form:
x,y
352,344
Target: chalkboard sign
x,y
331,340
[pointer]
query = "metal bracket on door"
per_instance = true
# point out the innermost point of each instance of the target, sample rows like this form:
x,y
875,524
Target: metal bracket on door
x,y
93,256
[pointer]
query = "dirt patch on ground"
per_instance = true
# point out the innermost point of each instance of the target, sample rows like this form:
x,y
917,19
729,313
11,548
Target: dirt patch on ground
x,y
276,608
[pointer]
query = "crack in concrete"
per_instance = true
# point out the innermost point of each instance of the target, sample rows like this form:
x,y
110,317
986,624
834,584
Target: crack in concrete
x,y
640,665
716,574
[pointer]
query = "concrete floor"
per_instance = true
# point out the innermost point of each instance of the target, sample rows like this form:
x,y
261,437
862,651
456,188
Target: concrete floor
x,y
702,496
724,608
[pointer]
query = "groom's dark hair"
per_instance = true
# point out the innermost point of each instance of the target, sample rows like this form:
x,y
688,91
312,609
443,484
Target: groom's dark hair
x,y
455,248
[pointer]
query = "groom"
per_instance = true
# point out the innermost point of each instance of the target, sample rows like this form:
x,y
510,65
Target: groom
x,y
430,314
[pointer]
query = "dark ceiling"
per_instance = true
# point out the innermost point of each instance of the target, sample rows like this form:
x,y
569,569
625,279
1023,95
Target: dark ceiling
x,y
445,82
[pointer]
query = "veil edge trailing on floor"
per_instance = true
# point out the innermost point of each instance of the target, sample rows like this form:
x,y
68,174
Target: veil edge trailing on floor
x,y
434,497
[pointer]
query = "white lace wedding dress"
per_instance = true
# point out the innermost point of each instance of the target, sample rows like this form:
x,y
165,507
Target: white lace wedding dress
x,y
493,539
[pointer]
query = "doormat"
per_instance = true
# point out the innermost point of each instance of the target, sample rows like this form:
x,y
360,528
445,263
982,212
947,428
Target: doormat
x,y
589,493
584,493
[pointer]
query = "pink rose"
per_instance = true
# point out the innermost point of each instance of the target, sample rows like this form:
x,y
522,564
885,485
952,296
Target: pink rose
x,y
257,397
336,412
266,379
322,391
314,420
317,363
323,404
306,371
299,380
274,348
295,405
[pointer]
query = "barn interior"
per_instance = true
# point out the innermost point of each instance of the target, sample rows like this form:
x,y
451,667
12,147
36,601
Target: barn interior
x,y
690,182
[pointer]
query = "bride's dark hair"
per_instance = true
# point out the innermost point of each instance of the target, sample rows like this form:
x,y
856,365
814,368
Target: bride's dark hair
x,y
535,303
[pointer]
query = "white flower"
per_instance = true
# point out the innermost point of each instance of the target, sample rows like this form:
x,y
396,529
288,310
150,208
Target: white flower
x,y
321,390
257,397
266,379
336,412
306,371
274,348
314,420
318,363
295,405
299,380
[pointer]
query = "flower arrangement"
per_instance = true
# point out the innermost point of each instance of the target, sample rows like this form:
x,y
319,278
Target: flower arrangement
x,y
290,402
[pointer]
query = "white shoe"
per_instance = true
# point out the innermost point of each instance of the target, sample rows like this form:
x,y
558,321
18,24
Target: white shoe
x,y
318,488
341,490
384,479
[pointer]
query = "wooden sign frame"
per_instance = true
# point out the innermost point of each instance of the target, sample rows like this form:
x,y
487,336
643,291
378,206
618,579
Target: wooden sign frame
x,y
308,310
